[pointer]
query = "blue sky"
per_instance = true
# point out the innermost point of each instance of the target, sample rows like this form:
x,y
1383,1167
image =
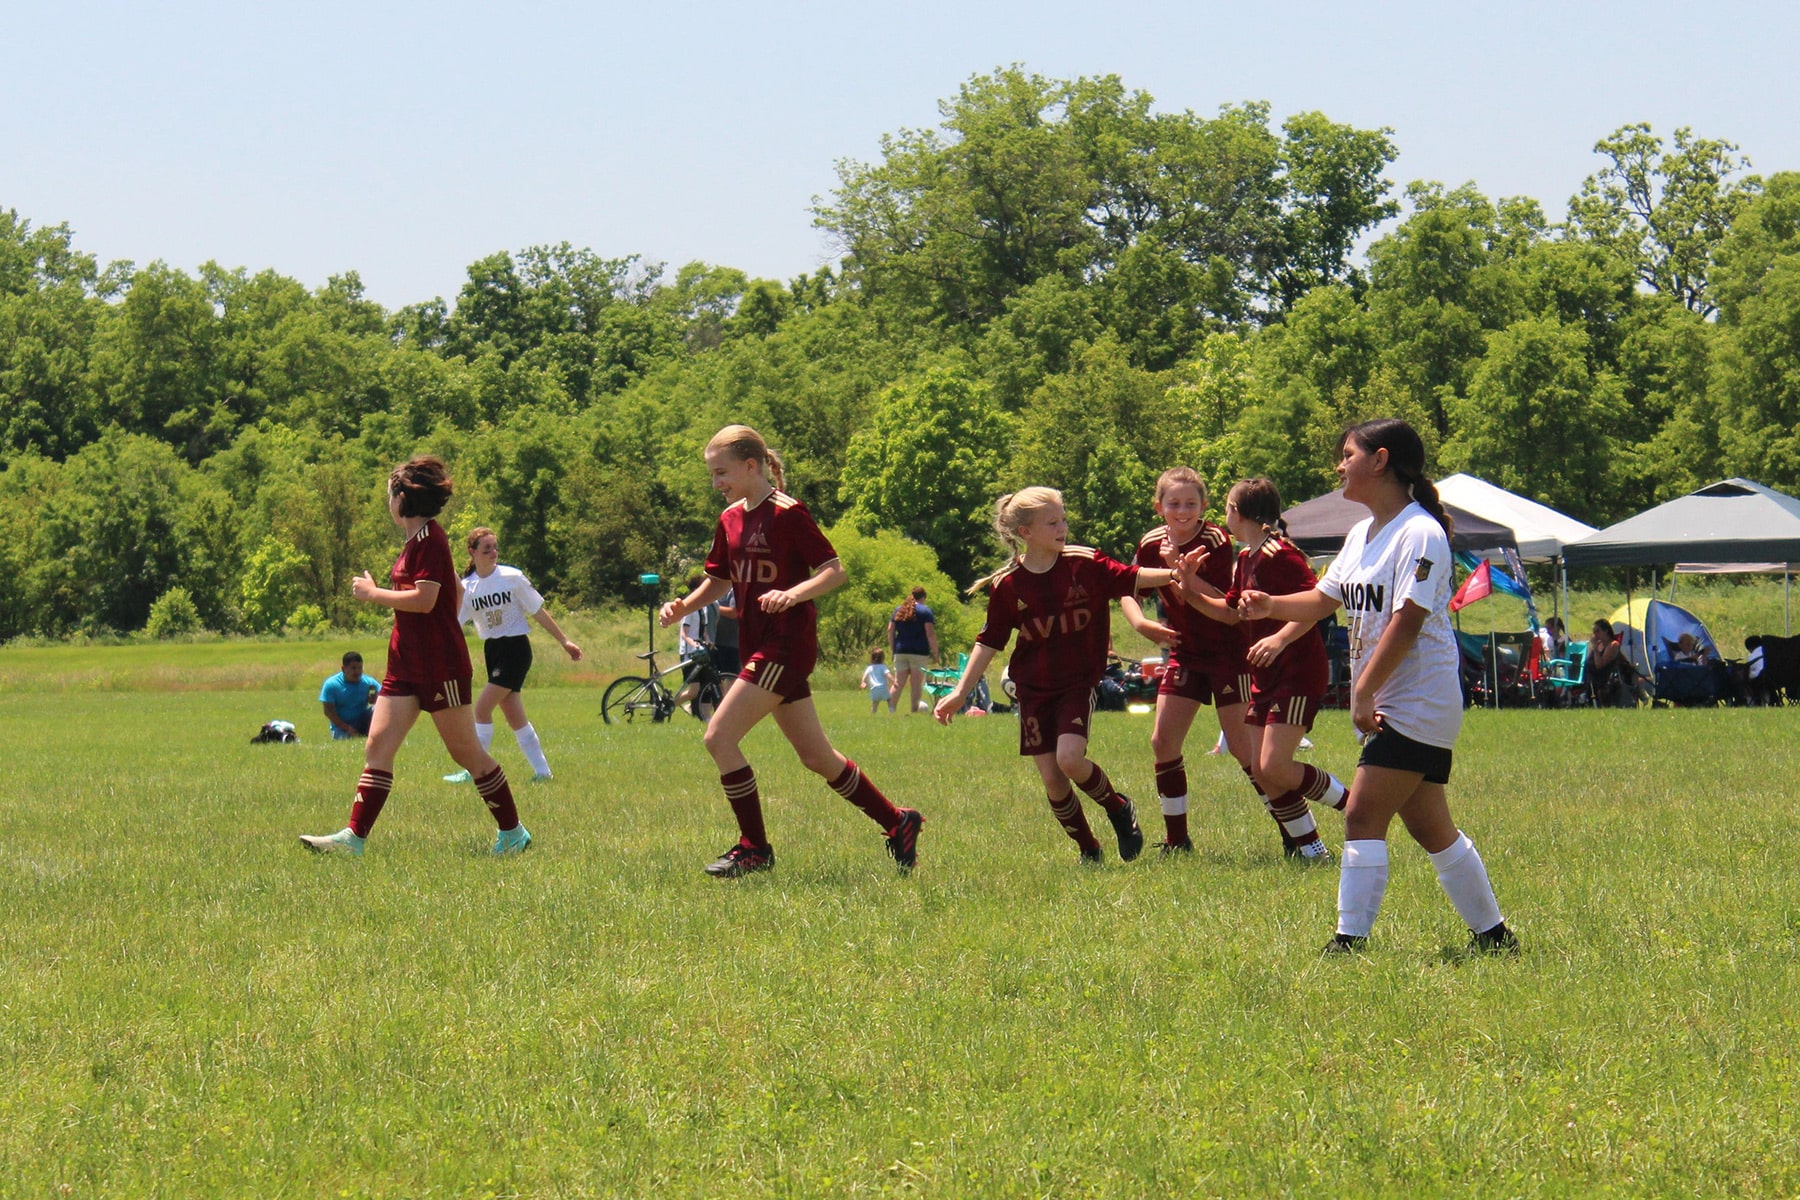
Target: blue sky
x,y
406,141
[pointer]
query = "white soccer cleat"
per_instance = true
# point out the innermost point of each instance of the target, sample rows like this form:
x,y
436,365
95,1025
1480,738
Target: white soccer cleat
x,y
343,841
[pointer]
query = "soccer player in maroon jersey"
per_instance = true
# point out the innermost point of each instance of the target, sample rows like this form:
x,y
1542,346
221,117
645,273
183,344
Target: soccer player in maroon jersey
x,y
1204,659
1055,595
769,548
1288,670
427,668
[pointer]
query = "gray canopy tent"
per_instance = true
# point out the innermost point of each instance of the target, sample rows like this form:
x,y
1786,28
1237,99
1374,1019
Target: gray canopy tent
x,y
1320,525
1732,521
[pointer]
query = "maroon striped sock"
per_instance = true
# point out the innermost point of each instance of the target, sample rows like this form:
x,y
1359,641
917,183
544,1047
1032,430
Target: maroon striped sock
x,y
1172,784
1171,777
1287,839
1314,783
855,787
371,793
1074,821
746,805
1100,789
496,793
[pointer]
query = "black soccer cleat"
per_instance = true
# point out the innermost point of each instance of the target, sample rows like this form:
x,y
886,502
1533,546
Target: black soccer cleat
x,y
1498,940
1345,943
1124,823
741,860
1092,858
1171,849
903,842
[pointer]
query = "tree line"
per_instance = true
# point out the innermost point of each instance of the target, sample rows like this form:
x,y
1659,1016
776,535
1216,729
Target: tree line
x,y
1056,284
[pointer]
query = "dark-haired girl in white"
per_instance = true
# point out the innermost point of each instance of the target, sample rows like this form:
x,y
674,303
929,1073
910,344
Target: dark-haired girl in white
x,y
1392,579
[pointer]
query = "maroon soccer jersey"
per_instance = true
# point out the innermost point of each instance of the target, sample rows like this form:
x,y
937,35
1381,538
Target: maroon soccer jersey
x,y
427,647
1280,569
1203,640
1061,617
773,547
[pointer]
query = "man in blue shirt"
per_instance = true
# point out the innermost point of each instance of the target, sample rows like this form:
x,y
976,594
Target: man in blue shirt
x,y
348,699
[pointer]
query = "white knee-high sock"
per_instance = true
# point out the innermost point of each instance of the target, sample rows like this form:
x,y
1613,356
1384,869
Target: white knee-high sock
x,y
485,735
1464,878
534,749
1361,884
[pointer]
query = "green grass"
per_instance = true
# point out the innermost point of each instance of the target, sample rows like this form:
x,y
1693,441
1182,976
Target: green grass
x,y
192,1006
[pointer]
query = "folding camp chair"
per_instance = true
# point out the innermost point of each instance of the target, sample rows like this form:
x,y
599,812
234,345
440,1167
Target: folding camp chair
x,y
1567,677
941,681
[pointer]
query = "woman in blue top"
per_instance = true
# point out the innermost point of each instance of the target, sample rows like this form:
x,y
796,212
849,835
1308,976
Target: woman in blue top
x,y
912,640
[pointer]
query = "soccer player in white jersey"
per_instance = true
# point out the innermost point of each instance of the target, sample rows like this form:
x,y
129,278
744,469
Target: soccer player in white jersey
x,y
502,602
1392,579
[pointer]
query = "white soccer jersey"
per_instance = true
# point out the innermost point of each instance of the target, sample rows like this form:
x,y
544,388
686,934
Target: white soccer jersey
x,y
500,604
1408,560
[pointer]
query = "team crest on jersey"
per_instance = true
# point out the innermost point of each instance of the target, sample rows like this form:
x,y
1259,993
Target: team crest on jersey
x,y
1022,606
756,539
1077,595
1424,570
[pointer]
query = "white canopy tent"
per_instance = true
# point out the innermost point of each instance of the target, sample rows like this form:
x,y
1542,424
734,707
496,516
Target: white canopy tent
x,y
1542,532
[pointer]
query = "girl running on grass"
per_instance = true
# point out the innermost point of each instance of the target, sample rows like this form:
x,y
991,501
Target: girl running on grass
x,y
427,667
1203,660
769,549
1393,579
499,599
1055,595
1288,670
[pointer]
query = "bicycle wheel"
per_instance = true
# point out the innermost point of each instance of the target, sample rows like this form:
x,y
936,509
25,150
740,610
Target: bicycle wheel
x,y
706,701
627,699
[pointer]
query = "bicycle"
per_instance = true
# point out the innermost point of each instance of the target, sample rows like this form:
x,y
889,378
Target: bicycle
x,y
635,697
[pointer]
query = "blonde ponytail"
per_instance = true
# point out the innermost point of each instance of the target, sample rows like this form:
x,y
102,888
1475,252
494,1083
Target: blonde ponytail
x,y
1012,512
746,445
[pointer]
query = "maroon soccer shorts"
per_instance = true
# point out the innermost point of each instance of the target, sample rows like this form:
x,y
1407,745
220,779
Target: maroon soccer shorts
x,y
789,680
1045,716
1282,708
1223,685
432,697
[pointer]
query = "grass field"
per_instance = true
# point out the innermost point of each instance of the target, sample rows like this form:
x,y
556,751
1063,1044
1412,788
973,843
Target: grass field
x,y
193,1006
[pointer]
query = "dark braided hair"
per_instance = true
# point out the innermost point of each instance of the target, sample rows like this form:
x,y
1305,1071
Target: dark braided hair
x,y
1406,459
1258,500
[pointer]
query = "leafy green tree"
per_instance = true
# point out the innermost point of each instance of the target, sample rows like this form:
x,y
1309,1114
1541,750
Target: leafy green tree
x,y
616,523
1436,292
1537,420
953,223
1045,326
928,464
1665,209
273,585
1100,433
156,367
522,465
48,309
1754,388
1335,193
880,571
111,534
172,615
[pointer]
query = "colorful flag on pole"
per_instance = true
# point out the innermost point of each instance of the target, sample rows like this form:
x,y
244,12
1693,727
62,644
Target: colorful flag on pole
x,y
1479,583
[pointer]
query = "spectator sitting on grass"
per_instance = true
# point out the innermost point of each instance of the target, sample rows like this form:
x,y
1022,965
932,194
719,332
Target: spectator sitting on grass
x,y
348,699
